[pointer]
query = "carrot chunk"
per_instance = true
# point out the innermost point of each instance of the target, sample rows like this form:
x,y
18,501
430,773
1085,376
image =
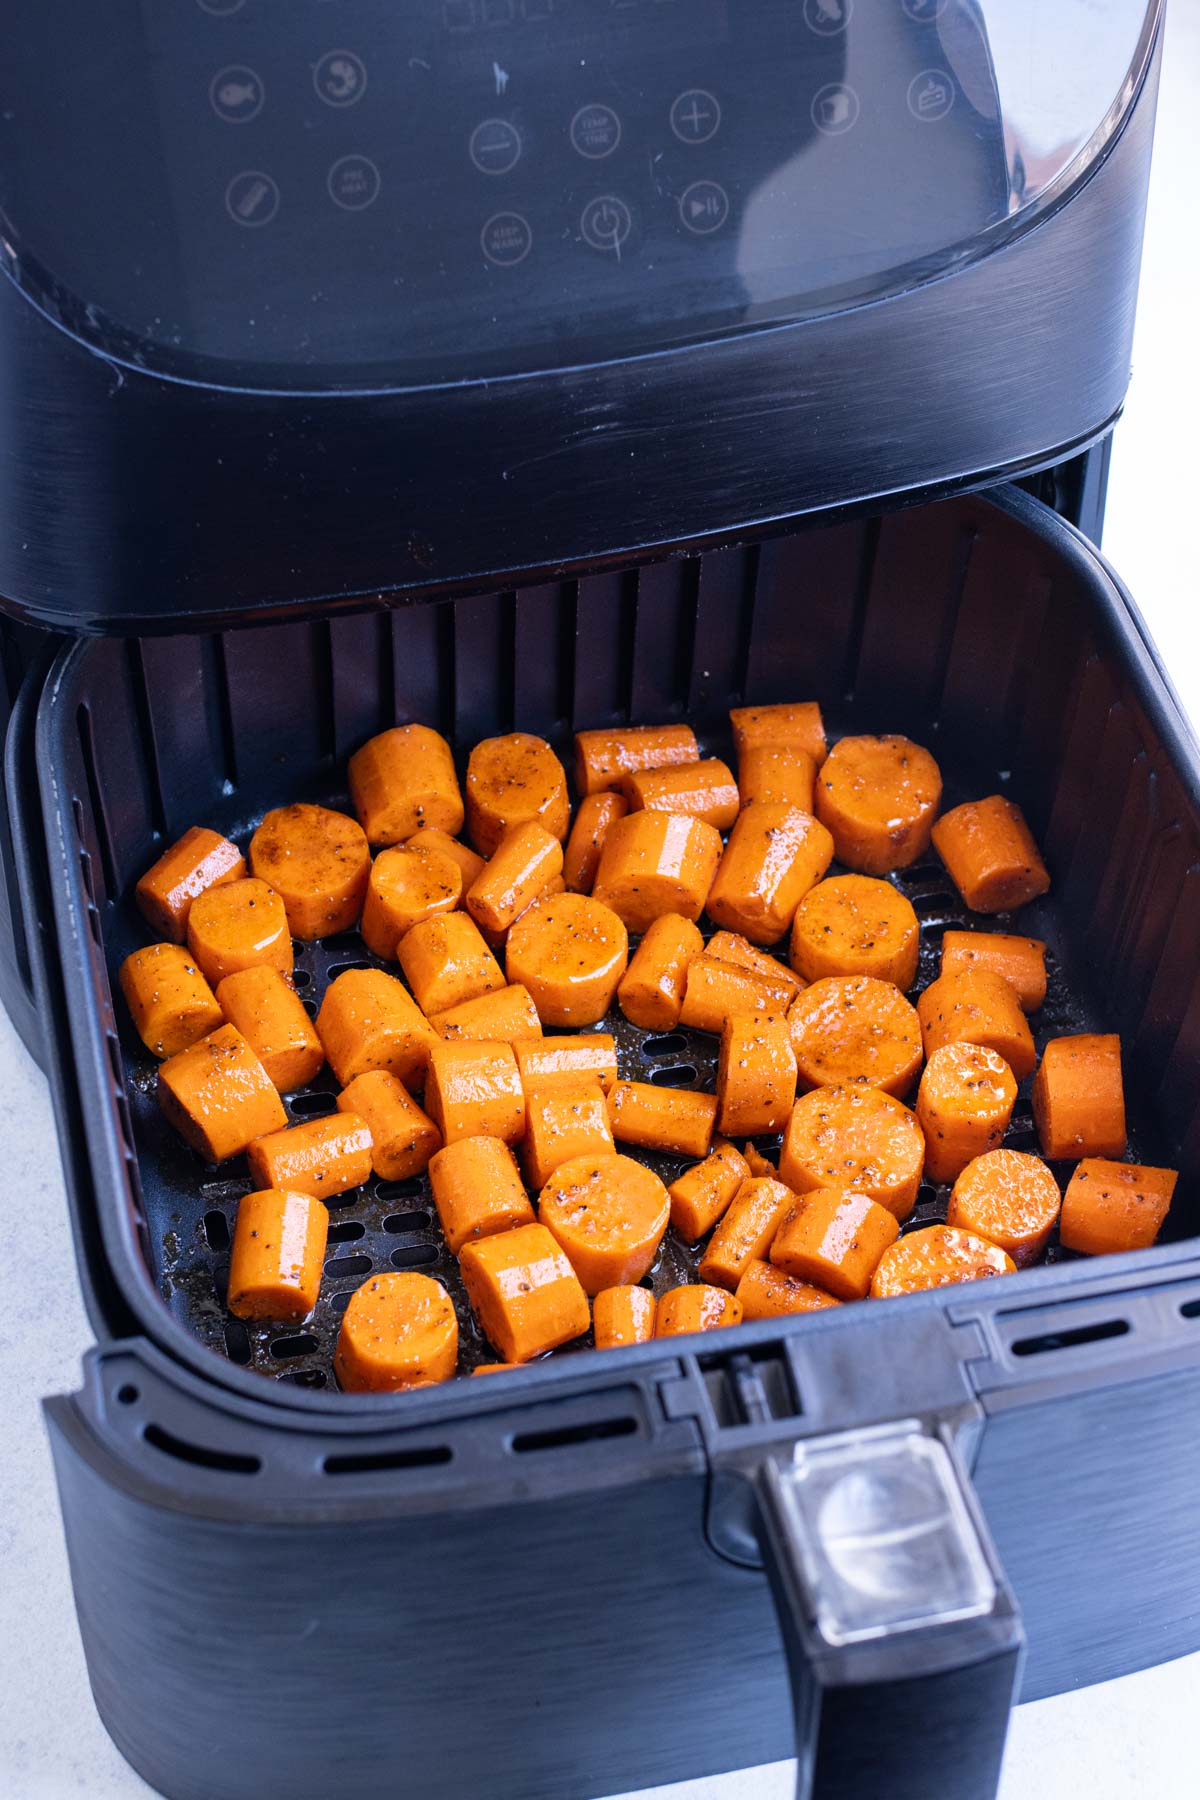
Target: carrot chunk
x,y
991,855
585,845
703,790
854,1137
781,774
964,1104
656,862
405,887
564,1120
368,1020
1079,1097
474,1090
938,1256
1009,1198
318,863
321,1157
403,1136
623,1315
660,1118
1112,1206
525,860
570,951
276,1256
237,925
445,961
514,780
402,780
505,1016
756,1162
696,1307
650,993
851,1029
608,1214
856,925
431,837
168,998
567,1058
774,855
746,1231
717,991
769,1293
977,1008
756,1074
218,1096
834,1239
731,947
1021,961
477,1190
268,1012
794,725
524,1292
603,758
200,859
879,797
399,1331
702,1193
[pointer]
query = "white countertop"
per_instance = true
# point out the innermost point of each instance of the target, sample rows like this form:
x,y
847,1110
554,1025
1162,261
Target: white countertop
x,y
1129,1737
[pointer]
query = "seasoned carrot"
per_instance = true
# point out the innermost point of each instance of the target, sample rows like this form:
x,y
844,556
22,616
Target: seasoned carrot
x,y
766,1292
318,863
276,1256
432,837
704,790
200,859
1021,961
524,861
650,993
218,1096
399,1331
697,1307
1111,1206
938,1256
608,1214
779,773
794,725
1079,1097
168,998
731,947
717,991
661,1118
990,854
851,1028
655,862
856,925
702,1193
623,1315
237,925
854,1137
477,1190
406,886
497,940
505,1016
368,1021
321,1157
514,780
403,1136
474,1090
585,845
524,1292
1009,1198
602,758
756,1162
879,797
964,1104
977,1008
568,1058
746,1231
268,1012
834,1239
445,961
562,1121
402,780
494,1368
570,951
756,1074
774,855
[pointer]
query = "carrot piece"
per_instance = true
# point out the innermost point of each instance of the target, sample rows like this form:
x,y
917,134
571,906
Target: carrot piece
x,y
659,1118
497,941
237,925
703,790
856,925
399,1331
1111,1206
276,1256
977,1008
1021,961
405,887
477,1190
563,1121
494,1368
964,1104
794,725
318,863
879,797
746,1231
431,837
402,780
608,1214
321,1157
1079,1097
474,1090
567,1059
990,855
717,991
169,1000
777,773
602,758
697,1307
445,961
623,1315
731,947
937,1256
756,1074
766,1292
585,846
702,1193
756,1162
1010,1199
403,1136
514,780
368,1021
851,1028
854,1137
834,1239
650,993
268,1012
524,1292
774,855
523,862
654,863
505,1016
218,1096
570,951
200,859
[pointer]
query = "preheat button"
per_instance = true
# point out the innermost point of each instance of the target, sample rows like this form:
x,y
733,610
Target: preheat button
x,y
704,207
605,222
595,131
506,239
695,116
495,147
353,183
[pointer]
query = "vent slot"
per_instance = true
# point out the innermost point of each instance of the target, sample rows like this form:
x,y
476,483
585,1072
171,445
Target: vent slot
x,y
427,1456
313,1106
230,1462
679,1075
1067,1340
565,1436
287,1347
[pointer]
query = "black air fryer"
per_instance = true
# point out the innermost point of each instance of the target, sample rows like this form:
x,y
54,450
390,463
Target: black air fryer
x,y
551,364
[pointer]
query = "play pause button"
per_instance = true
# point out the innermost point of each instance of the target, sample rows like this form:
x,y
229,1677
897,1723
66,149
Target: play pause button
x,y
704,207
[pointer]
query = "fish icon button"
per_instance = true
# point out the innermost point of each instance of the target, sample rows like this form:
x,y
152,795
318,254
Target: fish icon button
x,y
236,94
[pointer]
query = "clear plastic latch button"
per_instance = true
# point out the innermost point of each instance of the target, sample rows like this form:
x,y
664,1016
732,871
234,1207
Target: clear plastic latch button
x,y
883,1533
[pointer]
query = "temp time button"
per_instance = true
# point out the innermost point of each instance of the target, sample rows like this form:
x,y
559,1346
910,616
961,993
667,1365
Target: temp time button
x,y
595,131
506,239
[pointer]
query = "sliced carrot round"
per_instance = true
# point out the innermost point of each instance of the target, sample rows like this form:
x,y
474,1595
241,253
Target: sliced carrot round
x,y
977,1007
405,887
318,863
570,952
399,1331
1010,1198
696,1308
964,1104
938,1256
856,925
854,1137
608,1215
769,1293
513,780
879,797
239,925
851,1029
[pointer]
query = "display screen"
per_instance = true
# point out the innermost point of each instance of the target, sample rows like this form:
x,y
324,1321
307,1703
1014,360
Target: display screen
x,y
347,192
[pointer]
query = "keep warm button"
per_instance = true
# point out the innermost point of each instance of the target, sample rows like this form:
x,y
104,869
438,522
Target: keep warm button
x,y
704,207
